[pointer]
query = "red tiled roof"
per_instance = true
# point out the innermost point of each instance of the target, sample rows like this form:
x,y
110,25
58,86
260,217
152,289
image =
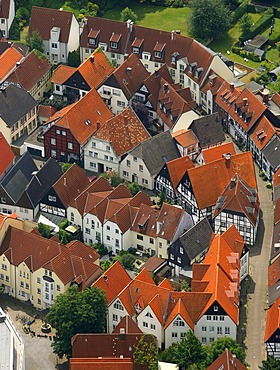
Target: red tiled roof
x,y
124,132
153,263
8,61
217,152
177,169
44,19
5,9
274,272
83,117
113,281
62,73
179,310
101,364
66,261
130,75
95,69
277,211
6,154
185,138
227,361
30,71
272,320
46,111
212,83
238,197
262,132
71,184
218,175
129,326
227,95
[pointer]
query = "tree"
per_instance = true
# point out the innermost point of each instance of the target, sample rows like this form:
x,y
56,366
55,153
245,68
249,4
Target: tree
x,y
127,14
22,14
66,166
133,188
44,230
245,23
218,347
35,41
1,289
146,352
209,19
74,58
106,264
100,248
270,364
76,312
126,260
186,353
185,286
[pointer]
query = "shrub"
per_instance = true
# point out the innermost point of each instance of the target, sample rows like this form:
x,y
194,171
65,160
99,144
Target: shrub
x,y
63,224
262,23
239,12
269,185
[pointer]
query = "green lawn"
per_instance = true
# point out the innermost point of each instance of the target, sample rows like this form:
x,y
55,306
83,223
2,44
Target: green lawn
x,y
159,17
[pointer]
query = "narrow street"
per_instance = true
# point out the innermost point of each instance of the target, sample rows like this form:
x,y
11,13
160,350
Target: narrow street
x,y
257,292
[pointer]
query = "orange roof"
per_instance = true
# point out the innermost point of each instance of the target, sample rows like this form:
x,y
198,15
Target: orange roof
x,y
274,272
233,238
238,197
272,320
218,175
96,69
179,310
262,132
227,361
62,73
227,95
8,61
177,169
124,132
83,117
217,152
113,281
185,138
46,111
6,154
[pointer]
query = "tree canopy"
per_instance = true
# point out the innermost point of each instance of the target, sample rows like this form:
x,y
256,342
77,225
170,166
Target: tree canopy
x,y
270,364
208,19
35,41
76,312
127,14
218,347
146,352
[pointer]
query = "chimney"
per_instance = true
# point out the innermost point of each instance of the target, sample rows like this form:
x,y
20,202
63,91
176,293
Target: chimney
x,y
122,334
228,158
98,124
172,35
178,32
233,360
245,101
126,120
92,58
128,71
64,181
165,87
265,94
231,85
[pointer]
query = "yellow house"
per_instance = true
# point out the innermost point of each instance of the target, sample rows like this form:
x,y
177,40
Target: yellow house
x,y
36,269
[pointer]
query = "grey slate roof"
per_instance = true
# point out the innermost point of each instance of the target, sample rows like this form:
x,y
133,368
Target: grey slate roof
x,y
40,184
195,240
272,152
156,151
208,130
19,176
13,97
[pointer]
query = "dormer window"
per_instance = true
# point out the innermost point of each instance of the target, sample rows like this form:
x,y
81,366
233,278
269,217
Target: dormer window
x,y
114,45
136,45
135,50
114,40
192,67
93,37
92,42
158,50
158,54
198,72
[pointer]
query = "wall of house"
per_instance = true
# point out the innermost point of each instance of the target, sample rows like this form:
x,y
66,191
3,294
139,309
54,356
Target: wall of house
x,y
92,229
99,156
7,276
112,237
129,170
6,131
244,266
74,36
12,13
41,86
74,216
149,324
26,125
219,67
26,213
144,243
114,98
174,333
115,314
207,330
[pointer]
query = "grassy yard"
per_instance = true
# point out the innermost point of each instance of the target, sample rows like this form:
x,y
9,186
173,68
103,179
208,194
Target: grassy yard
x,y
159,17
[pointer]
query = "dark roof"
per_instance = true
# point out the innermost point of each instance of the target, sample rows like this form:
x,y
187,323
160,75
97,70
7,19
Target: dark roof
x,y
52,18
19,176
41,183
208,130
156,151
196,239
272,152
273,293
12,97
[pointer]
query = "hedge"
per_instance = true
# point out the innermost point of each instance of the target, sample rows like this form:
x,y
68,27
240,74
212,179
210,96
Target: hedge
x,y
245,54
239,11
262,24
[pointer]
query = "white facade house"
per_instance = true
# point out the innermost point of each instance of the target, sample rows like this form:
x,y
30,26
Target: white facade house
x,y
7,14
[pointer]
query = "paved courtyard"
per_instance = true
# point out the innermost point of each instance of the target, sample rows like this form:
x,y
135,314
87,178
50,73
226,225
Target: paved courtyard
x,y
38,351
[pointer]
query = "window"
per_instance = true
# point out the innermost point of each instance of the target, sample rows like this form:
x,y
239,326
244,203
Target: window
x,y
157,54
178,322
26,286
115,317
54,45
145,182
215,308
108,237
203,340
118,305
120,103
39,301
53,141
182,335
125,174
215,318
87,231
72,217
204,328
148,314
58,131
139,237
21,284
116,92
4,267
151,241
53,153
114,45
70,145
227,330
211,340
211,329
174,335
64,133
222,318
38,280
117,231
2,276
181,250
145,324
153,327
179,260
128,163
7,278
140,168
172,257
219,330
